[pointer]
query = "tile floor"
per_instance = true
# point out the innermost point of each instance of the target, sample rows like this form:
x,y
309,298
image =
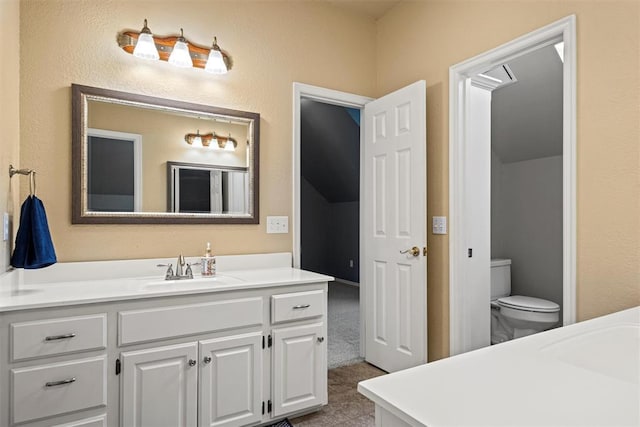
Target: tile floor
x,y
346,406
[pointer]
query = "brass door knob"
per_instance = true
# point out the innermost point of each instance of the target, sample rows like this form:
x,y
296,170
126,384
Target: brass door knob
x,y
414,251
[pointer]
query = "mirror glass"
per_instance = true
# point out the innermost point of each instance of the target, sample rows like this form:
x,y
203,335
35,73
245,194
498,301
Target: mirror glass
x,y
139,159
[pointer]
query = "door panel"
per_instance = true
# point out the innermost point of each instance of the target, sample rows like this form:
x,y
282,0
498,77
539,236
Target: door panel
x,y
300,368
231,380
394,220
159,387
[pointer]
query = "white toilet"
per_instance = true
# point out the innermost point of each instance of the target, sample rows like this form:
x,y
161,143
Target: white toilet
x,y
515,316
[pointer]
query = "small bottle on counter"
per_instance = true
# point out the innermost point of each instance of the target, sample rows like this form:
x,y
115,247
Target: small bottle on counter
x,y
208,262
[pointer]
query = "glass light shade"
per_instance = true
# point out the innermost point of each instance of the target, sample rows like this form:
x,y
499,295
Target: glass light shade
x,y
146,47
180,56
197,141
215,63
229,146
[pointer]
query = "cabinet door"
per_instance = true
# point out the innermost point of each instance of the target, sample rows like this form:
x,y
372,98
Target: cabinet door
x,y
231,381
300,368
160,386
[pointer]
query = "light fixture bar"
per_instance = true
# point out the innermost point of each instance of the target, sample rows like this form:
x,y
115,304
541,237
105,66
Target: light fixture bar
x,y
199,55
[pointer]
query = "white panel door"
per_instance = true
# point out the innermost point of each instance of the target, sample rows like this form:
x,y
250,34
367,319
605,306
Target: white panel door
x,y
231,381
160,386
299,368
394,220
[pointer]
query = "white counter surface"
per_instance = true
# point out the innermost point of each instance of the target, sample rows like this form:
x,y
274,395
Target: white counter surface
x,y
586,374
67,284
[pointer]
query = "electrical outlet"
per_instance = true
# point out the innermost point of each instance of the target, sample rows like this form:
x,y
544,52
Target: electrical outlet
x,y
439,225
277,224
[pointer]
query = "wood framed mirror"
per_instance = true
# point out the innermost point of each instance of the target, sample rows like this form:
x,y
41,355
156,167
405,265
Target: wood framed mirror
x,y
123,144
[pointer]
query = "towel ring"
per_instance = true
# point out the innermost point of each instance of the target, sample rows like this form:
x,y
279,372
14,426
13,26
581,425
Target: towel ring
x,y
32,183
32,177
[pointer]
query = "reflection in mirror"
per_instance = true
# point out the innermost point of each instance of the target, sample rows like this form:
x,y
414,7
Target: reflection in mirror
x,y
125,146
207,189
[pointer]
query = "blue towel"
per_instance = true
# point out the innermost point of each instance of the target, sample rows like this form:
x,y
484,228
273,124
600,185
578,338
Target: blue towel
x,y
34,247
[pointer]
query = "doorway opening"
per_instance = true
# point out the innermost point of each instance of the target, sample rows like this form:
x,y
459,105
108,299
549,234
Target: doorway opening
x,y
329,220
326,224
473,189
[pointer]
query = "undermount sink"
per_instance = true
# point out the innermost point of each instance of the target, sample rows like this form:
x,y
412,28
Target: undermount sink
x,y
198,280
613,351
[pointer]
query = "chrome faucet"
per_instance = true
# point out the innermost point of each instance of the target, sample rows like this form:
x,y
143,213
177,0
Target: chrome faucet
x,y
181,266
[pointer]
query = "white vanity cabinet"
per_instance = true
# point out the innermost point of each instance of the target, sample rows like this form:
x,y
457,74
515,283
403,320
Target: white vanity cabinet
x,y
217,381
242,356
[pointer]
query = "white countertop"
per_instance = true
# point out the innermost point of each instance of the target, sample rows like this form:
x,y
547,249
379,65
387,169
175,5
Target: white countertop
x,y
67,284
586,374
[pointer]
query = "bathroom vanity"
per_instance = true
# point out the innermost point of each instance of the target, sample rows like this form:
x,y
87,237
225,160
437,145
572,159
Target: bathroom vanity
x,y
245,347
584,374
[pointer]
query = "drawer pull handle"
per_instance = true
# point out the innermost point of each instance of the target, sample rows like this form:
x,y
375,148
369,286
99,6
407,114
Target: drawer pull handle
x,y
61,382
59,337
300,306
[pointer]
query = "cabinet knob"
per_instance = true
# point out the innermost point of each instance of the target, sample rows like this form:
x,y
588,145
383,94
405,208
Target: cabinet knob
x,y
207,359
320,339
192,362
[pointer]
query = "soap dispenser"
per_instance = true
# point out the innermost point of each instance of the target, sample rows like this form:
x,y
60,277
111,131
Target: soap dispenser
x,y
208,262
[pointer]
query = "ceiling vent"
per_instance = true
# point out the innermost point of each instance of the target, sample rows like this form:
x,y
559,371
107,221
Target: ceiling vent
x,y
497,77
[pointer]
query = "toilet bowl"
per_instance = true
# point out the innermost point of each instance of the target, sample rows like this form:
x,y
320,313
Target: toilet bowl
x,y
528,315
515,316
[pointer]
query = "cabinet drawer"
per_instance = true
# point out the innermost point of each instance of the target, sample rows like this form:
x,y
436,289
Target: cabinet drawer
x,y
58,336
155,324
48,390
297,305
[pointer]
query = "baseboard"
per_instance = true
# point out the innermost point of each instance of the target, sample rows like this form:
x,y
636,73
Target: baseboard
x,y
347,282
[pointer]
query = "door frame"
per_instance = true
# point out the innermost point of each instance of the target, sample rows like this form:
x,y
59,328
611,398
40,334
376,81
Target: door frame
x,y
343,99
561,30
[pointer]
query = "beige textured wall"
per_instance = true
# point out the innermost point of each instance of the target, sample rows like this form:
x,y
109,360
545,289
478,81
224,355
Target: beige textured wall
x,y
421,40
9,118
273,44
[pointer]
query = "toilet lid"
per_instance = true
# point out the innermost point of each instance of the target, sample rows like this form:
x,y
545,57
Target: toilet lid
x,y
519,302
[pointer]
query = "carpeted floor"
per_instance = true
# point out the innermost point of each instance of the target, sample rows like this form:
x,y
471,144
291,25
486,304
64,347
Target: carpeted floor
x,y
346,406
343,325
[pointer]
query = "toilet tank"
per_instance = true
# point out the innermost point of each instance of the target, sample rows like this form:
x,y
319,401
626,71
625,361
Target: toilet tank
x,y
500,278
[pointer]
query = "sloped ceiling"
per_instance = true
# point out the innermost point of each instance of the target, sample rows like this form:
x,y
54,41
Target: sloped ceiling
x,y
526,116
330,150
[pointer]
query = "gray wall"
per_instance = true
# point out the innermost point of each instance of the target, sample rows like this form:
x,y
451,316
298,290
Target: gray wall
x,y
526,220
330,235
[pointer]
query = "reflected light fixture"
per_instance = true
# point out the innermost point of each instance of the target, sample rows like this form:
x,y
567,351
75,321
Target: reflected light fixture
x,y
146,48
176,50
229,145
198,140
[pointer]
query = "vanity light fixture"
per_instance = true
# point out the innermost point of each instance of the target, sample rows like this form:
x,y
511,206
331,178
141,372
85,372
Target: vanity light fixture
x,y
215,62
146,48
176,50
180,56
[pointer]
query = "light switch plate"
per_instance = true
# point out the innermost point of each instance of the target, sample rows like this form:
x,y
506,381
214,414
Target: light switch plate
x,y
277,224
439,225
